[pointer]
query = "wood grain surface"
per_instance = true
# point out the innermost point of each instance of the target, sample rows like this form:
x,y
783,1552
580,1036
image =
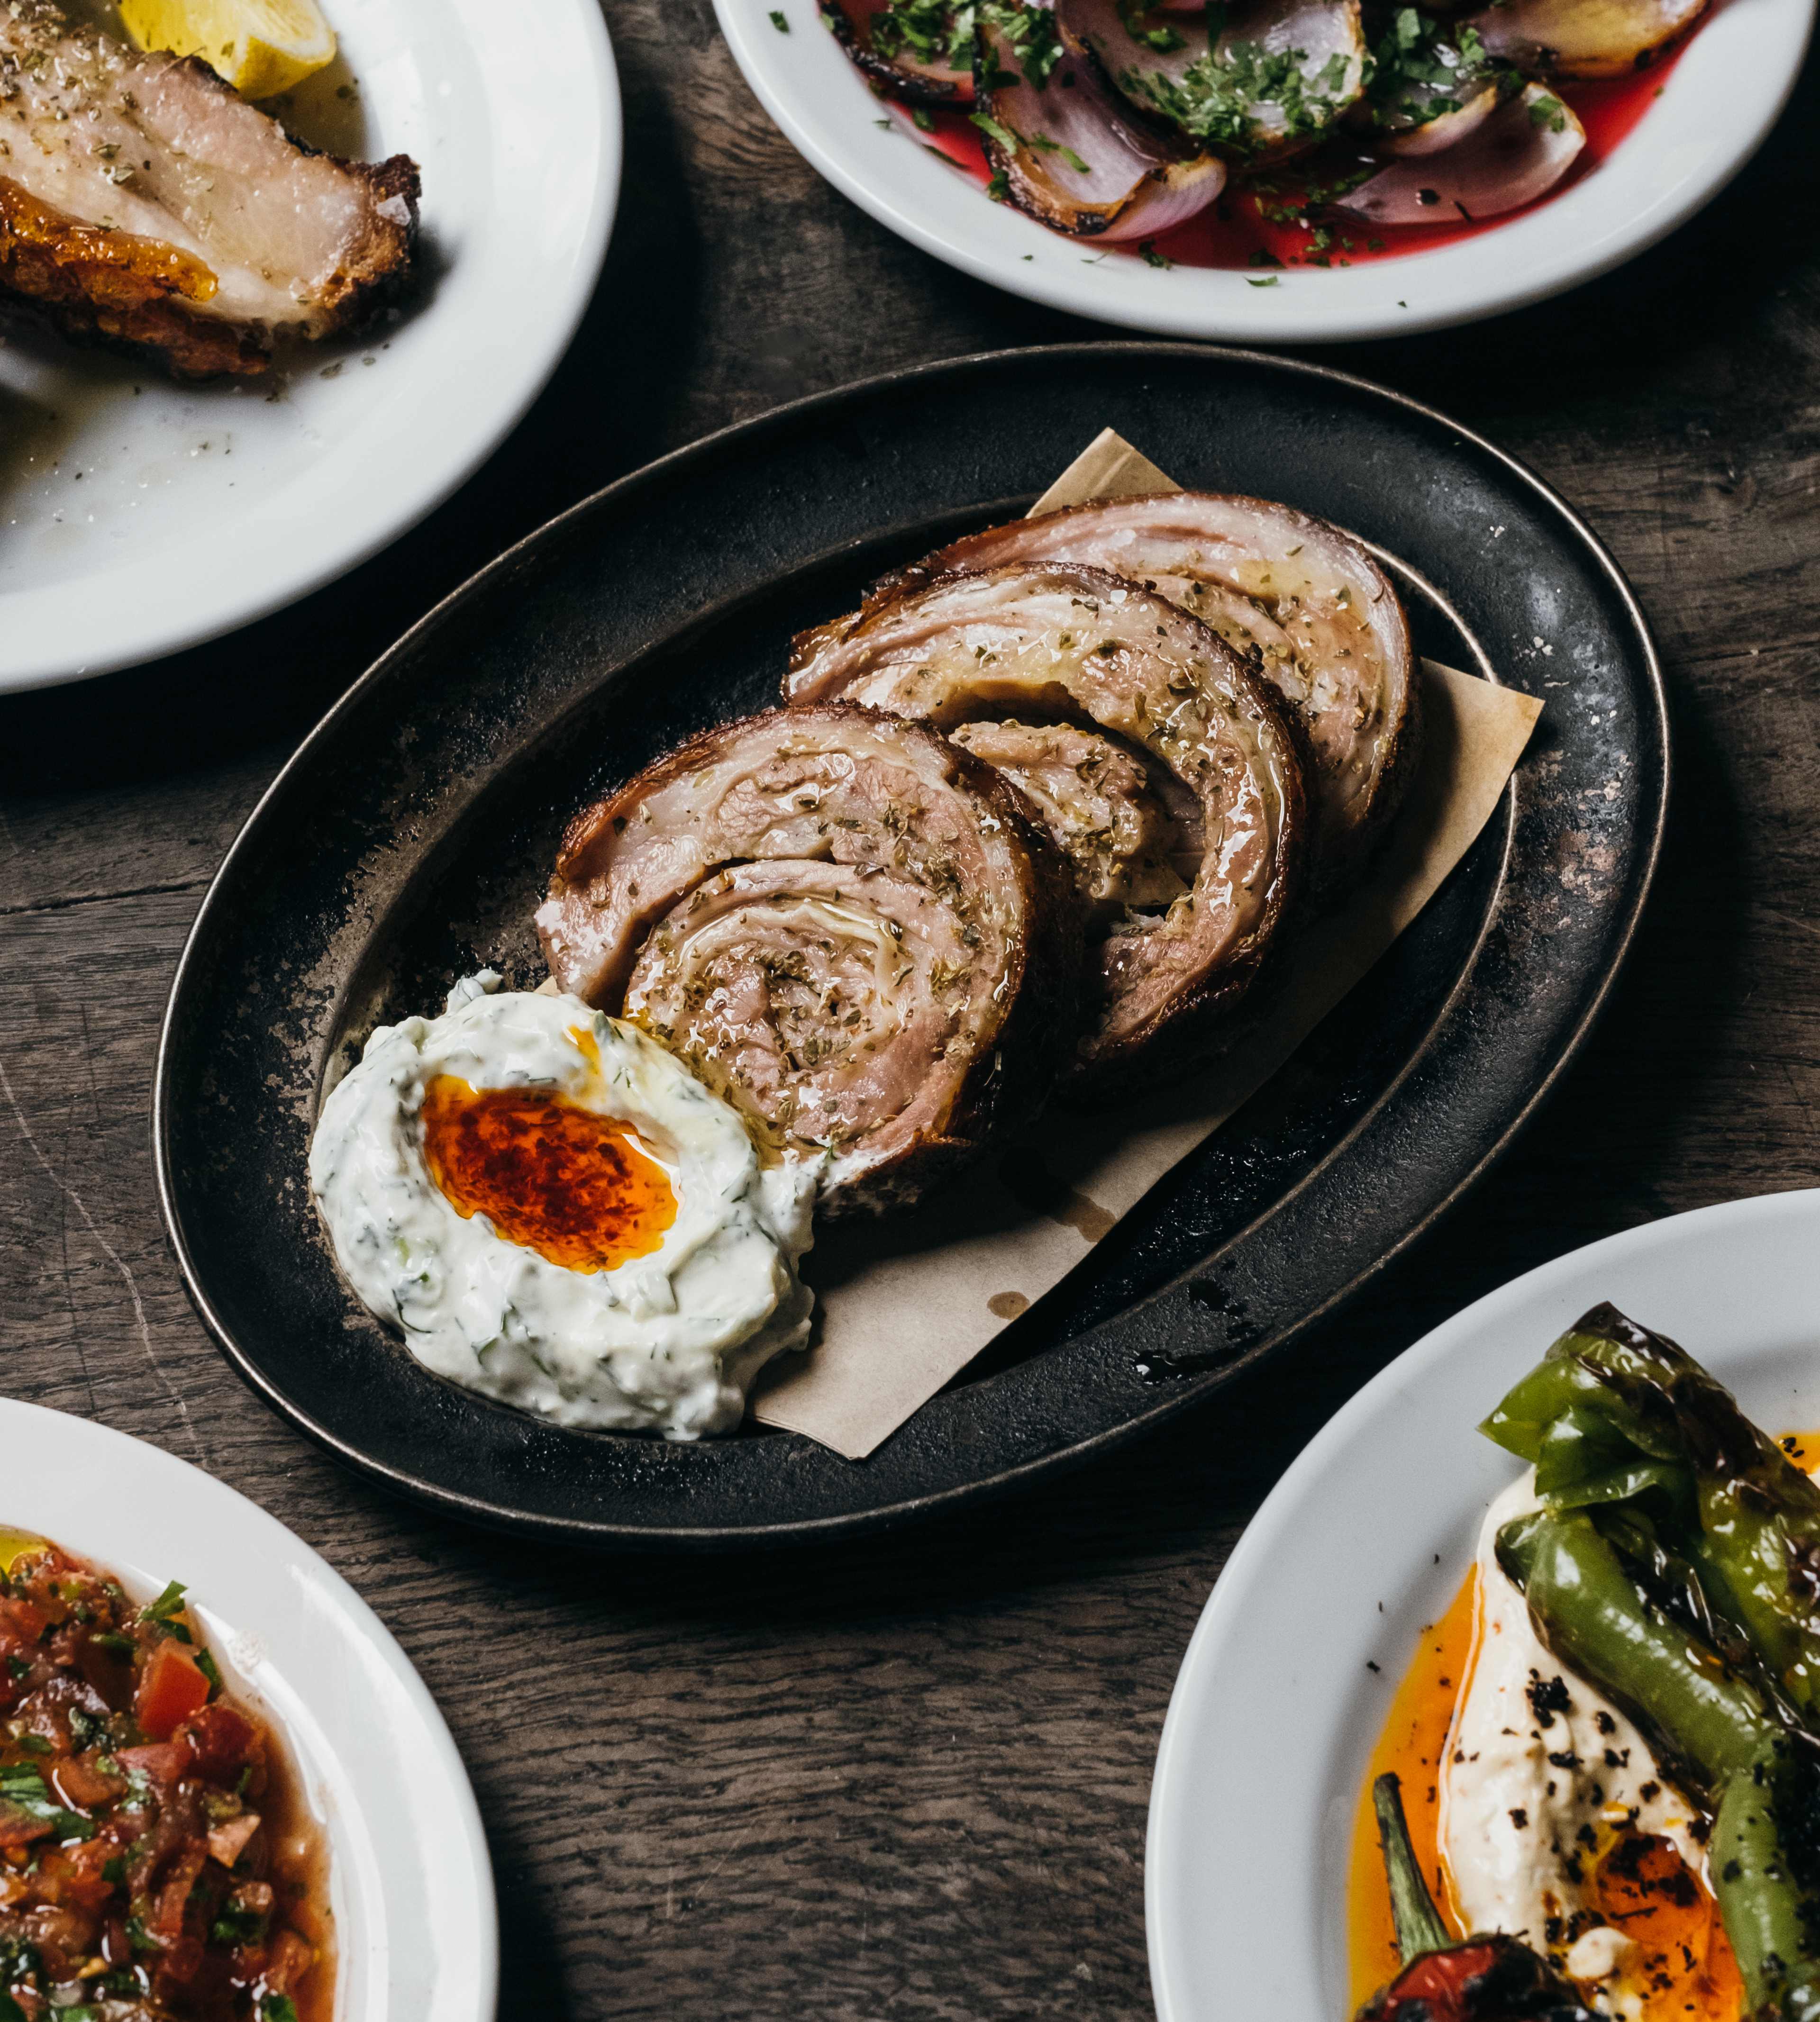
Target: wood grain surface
x,y
909,1780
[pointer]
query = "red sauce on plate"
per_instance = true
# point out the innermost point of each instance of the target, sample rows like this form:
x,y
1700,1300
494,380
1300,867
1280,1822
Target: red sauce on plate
x,y
1235,233
156,1858
1640,1886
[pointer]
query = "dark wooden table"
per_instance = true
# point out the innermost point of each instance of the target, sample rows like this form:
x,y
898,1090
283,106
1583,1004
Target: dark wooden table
x,y
909,1780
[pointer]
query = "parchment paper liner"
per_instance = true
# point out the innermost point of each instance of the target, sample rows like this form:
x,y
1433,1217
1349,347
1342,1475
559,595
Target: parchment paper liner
x,y
905,1307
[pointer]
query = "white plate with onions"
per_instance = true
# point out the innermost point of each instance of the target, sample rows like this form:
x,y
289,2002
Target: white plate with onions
x,y
1282,173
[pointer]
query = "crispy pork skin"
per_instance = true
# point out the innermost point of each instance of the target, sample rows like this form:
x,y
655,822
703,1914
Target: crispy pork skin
x,y
143,202
1301,599
1027,643
853,929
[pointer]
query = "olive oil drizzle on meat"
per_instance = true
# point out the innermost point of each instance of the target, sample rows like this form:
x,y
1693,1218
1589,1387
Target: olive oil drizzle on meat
x,y
156,1862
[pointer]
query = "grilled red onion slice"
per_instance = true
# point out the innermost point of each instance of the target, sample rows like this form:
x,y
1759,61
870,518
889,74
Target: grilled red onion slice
x,y
1073,154
1583,37
1304,600
855,931
1270,85
917,79
1430,86
1519,154
1049,641
1438,131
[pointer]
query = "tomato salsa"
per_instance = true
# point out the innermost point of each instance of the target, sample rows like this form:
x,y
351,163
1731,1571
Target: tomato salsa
x,y
156,1862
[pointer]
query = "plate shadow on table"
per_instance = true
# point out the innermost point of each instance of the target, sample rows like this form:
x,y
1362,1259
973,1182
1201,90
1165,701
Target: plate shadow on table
x,y
1609,338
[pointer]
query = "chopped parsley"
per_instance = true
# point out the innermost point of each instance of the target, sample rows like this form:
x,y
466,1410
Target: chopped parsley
x,y
941,33
1151,257
165,1609
22,1786
779,23
1418,71
1242,96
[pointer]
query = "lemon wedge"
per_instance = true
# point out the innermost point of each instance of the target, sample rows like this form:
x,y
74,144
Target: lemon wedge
x,y
260,47
15,1545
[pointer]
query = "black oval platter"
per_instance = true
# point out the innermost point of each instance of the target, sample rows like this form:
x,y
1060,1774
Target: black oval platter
x,y
410,836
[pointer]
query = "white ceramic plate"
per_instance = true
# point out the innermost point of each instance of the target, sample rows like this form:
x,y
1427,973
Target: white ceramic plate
x,y
1718,104
1271,1726
416,1928
138,516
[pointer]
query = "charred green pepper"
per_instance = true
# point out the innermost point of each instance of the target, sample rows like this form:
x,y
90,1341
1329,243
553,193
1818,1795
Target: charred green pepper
x,y
1699,1713
1615,1415
1494,1978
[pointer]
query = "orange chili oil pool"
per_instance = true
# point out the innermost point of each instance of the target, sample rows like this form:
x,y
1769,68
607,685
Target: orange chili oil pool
x,y
1234,231
1641,1886
577,1188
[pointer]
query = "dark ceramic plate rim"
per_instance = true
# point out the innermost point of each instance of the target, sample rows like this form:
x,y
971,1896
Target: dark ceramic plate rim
x,y
1186,1294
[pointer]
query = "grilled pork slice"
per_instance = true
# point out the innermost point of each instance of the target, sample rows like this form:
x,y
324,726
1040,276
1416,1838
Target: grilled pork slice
x,y
855,931
1210,738
1095,800
143,201
1291,592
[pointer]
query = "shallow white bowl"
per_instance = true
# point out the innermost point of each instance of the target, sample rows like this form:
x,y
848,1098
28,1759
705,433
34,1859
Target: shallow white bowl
x,y
1274,1712
412,1889
198,509
1718,104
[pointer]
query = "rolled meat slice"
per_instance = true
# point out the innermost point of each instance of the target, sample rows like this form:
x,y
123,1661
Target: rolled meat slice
x,y
857,932
1096,800
1304,600
1215,747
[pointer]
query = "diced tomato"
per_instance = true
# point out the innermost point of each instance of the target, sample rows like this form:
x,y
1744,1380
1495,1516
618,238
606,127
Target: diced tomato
x,y
73,1873
222,1742
182,1959
25,1617
166,1923
164,1761
228,1842
289,1959
19,1829
171,1688
81,1784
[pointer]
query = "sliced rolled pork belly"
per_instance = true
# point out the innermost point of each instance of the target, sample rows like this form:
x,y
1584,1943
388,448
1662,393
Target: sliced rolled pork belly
x,y
1305,602
855,931
1212,788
